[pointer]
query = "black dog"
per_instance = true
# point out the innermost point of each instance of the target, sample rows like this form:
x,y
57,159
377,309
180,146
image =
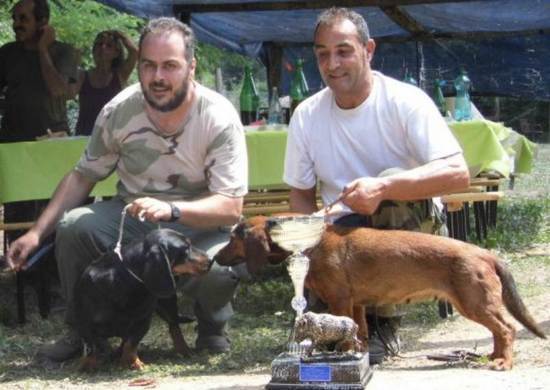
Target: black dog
x,y
117,297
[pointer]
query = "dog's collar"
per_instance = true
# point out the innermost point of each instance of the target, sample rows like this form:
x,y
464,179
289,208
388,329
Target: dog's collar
x,y
119,255
169,265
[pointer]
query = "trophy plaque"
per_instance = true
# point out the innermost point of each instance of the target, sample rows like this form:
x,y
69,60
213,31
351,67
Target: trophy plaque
x,y
302,367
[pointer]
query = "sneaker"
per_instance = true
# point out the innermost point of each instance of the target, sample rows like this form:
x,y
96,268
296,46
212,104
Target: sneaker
x,y
65,348
213,343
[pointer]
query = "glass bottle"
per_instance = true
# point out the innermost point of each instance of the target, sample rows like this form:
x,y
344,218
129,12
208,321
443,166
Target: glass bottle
x,y
303,80
463,107
275,114
249,99
296,89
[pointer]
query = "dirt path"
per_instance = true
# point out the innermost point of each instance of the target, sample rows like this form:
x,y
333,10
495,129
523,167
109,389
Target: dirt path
x,y
414,371
411,371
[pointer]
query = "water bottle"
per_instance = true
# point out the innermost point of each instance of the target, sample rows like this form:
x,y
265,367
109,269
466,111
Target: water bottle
x,y
275,114
249,99
463,107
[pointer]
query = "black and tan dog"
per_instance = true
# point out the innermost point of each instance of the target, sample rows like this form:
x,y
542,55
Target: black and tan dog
x,y
353,267
117,298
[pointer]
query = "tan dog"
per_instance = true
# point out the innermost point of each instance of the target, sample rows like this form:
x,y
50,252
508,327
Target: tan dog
x,y
353,267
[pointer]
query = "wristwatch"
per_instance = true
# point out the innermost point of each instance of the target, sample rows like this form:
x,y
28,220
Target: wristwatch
x,y
175,213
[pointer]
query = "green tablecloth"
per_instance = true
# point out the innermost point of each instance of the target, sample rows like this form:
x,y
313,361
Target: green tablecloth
x,y
32,170
491,147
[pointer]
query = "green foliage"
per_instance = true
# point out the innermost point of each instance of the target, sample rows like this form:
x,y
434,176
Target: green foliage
x,y
519,224
77,22
6,32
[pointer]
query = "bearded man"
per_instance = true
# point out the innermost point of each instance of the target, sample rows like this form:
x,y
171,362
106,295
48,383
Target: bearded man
x,y
179,151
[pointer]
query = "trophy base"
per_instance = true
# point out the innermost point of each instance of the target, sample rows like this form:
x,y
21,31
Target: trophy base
x,y
320,371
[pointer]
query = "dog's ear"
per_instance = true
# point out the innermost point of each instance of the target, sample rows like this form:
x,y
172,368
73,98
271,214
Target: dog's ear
x,y
257,250
175,245
157,273
240,230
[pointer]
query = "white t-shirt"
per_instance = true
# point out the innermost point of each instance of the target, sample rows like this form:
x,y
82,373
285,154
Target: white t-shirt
x,y
206,155
397,126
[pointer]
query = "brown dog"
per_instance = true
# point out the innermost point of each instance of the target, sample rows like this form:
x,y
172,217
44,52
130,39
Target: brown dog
x,y
353,267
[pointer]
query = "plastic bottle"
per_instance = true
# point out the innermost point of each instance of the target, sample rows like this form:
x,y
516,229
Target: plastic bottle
x,y
275,114
463,108
249,99
438,97
297,87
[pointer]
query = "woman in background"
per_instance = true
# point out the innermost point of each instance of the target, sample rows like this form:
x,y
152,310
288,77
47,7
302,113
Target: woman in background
x,y
100,84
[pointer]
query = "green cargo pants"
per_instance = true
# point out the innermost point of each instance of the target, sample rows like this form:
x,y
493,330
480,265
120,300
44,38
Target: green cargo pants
x,y
86,232
420,216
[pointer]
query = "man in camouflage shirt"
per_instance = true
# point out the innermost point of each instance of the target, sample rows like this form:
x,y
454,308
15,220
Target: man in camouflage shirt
x,y
179,151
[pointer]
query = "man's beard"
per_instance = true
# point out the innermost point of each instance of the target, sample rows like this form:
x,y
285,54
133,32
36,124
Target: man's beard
x,y
179,96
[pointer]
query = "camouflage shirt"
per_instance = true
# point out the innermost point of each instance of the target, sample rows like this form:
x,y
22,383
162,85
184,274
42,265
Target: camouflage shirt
x,y
206,155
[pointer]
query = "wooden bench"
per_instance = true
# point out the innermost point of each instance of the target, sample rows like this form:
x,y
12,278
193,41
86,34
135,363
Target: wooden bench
x,y
267,202
483,195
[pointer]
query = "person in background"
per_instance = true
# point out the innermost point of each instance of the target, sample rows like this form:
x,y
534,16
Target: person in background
x,y
180,154
95,87
37,72
36,75
377,147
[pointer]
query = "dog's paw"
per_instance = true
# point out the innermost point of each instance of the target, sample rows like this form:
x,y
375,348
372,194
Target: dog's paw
x,y
137,365
500,365
132,362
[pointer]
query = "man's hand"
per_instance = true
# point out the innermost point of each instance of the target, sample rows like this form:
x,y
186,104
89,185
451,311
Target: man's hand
x,y
363,195
20,249
151,209
47,37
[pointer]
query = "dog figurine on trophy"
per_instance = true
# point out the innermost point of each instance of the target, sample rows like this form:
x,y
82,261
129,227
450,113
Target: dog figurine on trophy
x,y
323,348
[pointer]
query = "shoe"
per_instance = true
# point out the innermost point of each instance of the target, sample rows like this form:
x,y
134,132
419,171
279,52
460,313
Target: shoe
x,y
387,331
383,337
65,348
376,349
213,343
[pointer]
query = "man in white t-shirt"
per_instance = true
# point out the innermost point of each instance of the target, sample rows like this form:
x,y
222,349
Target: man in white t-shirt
x,y
179,151
373,145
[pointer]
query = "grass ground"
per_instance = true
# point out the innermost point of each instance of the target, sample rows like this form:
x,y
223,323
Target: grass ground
x,y
259,330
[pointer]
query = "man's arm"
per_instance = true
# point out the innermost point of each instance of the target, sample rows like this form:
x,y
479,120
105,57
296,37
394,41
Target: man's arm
x,y
210,211
57,84
129,63
434,178
303,201
71,192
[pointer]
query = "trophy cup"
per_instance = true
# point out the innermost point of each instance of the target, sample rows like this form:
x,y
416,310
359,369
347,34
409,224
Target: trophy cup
x,y
301,367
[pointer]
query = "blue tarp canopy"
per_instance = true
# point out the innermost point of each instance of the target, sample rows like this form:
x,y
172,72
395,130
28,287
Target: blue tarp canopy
x,y
503,44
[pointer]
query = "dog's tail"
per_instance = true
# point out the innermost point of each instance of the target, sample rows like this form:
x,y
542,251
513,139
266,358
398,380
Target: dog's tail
x,y
513,301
